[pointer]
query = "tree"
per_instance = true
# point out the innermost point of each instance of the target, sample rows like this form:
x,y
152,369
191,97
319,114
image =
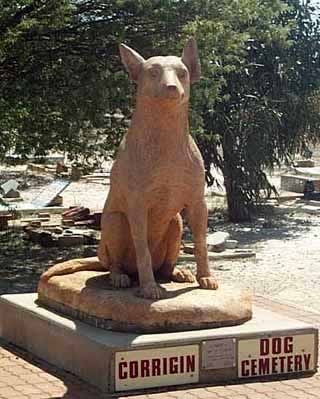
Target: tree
x,y
258,101
61,79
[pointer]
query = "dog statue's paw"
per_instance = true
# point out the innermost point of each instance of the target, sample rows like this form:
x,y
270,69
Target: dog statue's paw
x,y
182,276
209,283
152,291
120,280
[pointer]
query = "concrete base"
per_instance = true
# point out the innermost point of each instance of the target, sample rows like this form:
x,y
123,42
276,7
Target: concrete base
x,y
267,345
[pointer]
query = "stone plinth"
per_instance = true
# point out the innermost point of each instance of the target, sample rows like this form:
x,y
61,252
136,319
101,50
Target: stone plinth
x,y
88,296
96,355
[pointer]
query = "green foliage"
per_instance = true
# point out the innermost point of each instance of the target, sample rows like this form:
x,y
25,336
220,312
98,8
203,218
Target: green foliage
x,y
60,72
257,104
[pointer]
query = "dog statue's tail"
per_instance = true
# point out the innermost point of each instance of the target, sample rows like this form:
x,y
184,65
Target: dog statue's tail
x,y
72,266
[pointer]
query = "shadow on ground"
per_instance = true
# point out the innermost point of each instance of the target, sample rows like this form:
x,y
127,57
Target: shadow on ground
x,y
266,227
22,262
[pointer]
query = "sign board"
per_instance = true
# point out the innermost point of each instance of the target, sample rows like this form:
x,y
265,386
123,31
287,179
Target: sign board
x,y
218,353
156,367
276,355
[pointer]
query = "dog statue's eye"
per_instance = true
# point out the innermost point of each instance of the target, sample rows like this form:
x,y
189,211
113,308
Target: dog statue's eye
x,y
182,74
154,72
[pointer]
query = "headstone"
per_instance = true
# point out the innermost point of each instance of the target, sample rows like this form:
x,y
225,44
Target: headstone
x,y
9,189
296,183
50,192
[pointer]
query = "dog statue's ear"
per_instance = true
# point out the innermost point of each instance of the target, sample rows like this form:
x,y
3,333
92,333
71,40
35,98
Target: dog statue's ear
x,y
131,60
190,58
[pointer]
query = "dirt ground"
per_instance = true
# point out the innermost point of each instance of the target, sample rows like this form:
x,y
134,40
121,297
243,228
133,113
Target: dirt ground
x,y
286,241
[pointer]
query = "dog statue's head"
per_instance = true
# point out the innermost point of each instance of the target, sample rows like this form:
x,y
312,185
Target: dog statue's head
x,y
163,78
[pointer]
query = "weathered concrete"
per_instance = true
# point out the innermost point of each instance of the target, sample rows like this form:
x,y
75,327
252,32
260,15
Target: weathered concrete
x,y
90,352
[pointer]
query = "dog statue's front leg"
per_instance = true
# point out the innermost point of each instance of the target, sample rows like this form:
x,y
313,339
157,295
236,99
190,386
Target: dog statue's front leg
x,y
138,221
197,215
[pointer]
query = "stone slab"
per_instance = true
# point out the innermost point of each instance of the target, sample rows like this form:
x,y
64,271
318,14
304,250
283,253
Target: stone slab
x,y
225,255
50,192
296,183
216,241
89,296
9,185
92,353
27,208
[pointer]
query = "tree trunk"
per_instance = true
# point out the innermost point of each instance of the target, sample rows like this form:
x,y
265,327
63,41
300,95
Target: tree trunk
x,y
237,208
237,205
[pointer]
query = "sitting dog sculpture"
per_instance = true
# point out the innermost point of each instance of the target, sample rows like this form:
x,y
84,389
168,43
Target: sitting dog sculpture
x,y
158,172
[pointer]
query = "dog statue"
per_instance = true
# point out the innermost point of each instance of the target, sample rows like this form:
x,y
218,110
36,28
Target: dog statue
x,y
158,172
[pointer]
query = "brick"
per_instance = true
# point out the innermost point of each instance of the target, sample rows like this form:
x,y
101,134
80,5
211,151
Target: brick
x,y
220,390
27,389
40,396
57,390
32,368
299,394
49,377
279,395
257,395
4,375
315,392
8,392
179,394
202,393
295,383
264,388
242,389
14,380
44,386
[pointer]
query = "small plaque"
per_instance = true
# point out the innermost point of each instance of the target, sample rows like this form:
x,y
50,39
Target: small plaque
x,y
218,353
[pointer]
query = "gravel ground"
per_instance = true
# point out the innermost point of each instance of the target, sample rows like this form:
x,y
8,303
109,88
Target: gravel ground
x,y
287,266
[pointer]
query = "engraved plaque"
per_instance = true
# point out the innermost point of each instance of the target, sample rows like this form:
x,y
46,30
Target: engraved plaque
x,y
219,353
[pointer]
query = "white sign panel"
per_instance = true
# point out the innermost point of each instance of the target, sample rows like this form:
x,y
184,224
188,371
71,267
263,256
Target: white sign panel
x,y
276,355
156,367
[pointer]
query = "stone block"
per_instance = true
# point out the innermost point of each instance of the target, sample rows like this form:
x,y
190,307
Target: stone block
x,y
216,241
304,163
70,240
231,244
